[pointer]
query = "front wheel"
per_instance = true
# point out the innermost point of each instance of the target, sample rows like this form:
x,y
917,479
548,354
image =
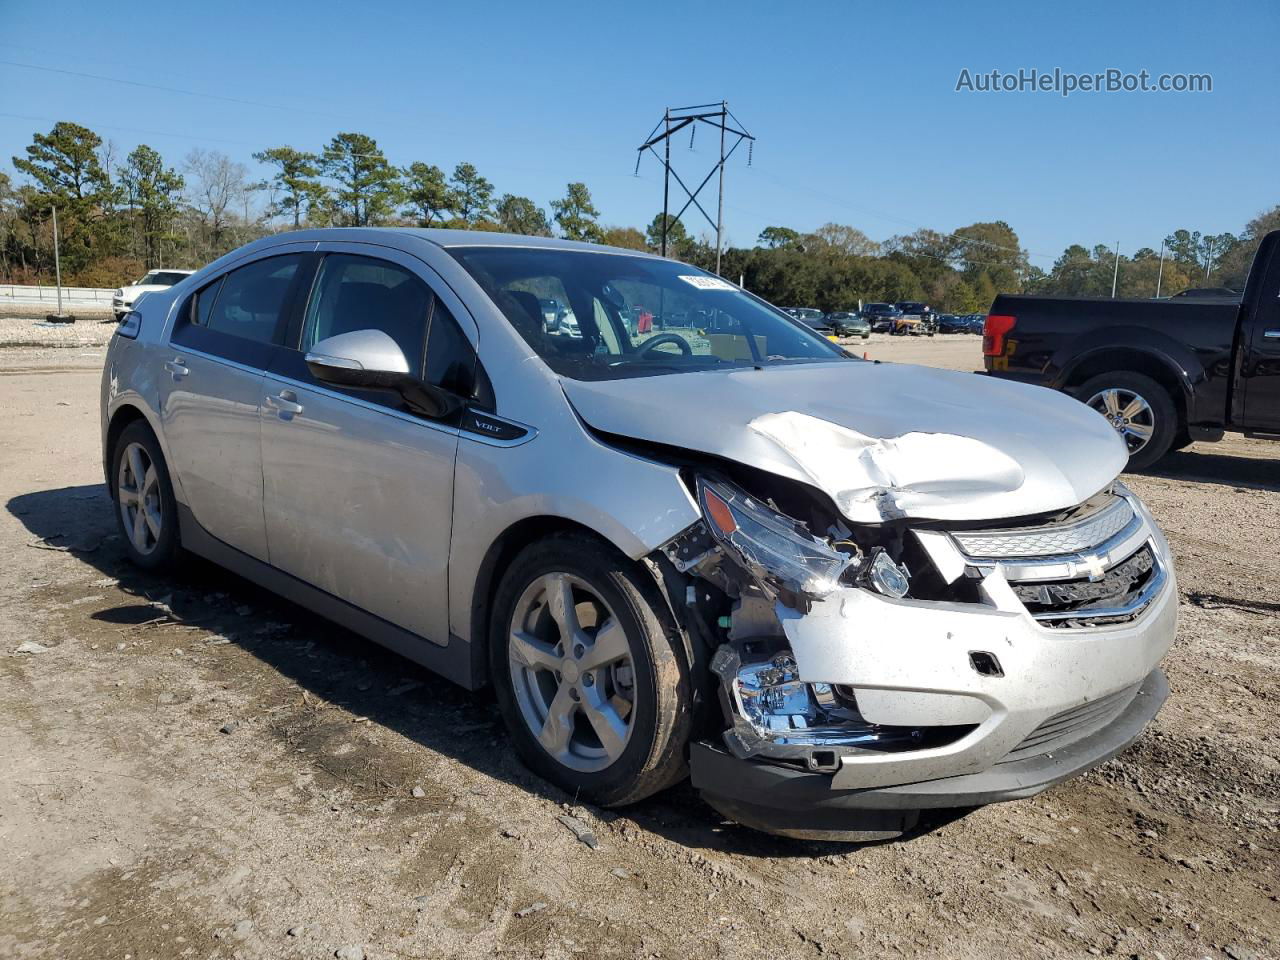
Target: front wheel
x,y
589,671
1139,409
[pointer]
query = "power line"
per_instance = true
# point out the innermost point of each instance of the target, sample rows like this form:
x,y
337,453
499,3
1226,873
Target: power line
x,y
164,89
145,133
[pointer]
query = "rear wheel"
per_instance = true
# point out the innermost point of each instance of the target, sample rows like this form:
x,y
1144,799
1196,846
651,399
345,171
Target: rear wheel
x,y
1139,409
589,671
145,512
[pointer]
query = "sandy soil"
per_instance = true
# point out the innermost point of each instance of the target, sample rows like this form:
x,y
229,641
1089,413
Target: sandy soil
x,y
193,768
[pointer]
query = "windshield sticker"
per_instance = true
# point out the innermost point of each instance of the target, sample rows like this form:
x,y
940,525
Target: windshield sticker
x,y
708,283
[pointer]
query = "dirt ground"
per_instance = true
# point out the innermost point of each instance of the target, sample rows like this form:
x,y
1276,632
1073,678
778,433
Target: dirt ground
x,y
192,768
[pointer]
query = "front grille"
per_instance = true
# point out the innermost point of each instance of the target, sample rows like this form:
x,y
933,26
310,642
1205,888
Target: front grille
x,y
1117,587
1077,572
1074,724
1048,541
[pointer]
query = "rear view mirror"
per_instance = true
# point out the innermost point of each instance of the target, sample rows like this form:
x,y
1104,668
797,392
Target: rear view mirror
x,y
371,360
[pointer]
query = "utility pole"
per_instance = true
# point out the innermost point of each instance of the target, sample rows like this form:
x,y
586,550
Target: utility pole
x,y
675,119
1160,274
58,317
724,106
1115,276
1208,259
666,180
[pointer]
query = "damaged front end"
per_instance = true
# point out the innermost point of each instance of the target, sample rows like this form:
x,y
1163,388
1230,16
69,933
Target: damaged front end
x,y
764,561
875,661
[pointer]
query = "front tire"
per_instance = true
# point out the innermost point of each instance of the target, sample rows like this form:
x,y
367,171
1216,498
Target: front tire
x,y
1139,409
146,512
590,672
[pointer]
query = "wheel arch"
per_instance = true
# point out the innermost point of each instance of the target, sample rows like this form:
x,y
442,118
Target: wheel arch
x,y
121,418
498,558
1159,368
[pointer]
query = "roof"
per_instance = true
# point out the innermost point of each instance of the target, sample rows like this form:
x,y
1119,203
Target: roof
x,y
449,238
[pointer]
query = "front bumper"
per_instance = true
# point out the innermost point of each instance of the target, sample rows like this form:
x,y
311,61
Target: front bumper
x,y
1066,692
795,803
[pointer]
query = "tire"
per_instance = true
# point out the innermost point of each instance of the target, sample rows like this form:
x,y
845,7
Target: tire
x,y
148,520
1157,413
647,693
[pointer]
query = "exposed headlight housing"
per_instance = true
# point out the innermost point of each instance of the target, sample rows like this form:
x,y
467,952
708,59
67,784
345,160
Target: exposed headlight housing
x,y
885,576
771,546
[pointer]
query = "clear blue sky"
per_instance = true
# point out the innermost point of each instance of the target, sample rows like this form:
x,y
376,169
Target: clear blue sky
x,y
853,103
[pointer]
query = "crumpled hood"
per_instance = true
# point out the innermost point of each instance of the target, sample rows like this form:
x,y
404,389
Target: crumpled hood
x,y
884,441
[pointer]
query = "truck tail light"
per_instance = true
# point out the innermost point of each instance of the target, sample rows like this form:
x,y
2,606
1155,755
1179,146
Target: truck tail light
x,y
994,330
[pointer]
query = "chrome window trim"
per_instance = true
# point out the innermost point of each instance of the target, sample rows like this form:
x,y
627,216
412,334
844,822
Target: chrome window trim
x,y
179,348
365,404
530,431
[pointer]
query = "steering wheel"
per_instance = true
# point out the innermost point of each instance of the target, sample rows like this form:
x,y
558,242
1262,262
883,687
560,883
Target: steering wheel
x,y
662,338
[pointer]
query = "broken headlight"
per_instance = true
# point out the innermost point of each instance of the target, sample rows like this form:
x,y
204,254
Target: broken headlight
x,y
770,545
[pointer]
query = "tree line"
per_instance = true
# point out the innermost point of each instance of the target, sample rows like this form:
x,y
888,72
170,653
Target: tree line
x,y
119,215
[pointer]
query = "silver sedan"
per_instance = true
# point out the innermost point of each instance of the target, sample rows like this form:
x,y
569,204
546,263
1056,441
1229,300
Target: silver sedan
x,y
679,533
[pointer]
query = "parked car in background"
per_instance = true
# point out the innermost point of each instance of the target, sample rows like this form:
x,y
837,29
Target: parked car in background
x,y
123,300
1163,373
915,319
951,323
1209,293
975,322
847,324
833,592
881,316
813,319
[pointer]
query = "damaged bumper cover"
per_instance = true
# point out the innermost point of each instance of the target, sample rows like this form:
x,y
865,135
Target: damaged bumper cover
x,y
952,704
795,803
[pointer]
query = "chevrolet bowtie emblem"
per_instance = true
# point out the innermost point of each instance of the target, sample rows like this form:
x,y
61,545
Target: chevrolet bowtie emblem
x,y
1094,568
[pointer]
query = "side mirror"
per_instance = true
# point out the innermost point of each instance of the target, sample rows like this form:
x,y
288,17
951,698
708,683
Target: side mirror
x,y
371,360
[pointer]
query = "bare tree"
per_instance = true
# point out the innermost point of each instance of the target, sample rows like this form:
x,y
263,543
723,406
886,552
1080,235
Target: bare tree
x,y
216,187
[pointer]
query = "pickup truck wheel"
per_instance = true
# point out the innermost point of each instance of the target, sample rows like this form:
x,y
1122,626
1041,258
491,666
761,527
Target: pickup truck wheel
x,y
589,671
1139,409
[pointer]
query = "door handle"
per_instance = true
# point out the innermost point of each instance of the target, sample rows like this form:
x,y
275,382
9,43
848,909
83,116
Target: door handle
x,y
285,404
177,367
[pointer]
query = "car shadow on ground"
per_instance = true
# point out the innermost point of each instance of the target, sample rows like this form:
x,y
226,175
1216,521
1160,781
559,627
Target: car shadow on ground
x,y
1202,466
341,668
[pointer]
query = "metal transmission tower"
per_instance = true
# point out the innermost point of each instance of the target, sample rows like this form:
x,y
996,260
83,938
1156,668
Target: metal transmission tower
x,y
717,116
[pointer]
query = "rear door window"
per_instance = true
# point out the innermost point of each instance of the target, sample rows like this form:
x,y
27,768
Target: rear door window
x,y
251,301
242,315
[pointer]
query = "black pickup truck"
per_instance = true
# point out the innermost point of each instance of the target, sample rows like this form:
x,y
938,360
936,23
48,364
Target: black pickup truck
x,y
1164,372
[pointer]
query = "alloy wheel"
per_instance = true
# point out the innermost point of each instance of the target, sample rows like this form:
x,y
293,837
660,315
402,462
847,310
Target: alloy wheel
x,y
572,673
138,493
1129,413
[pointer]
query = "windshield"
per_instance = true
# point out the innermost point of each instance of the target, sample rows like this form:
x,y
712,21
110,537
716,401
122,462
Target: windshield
x,y
635,316
160,278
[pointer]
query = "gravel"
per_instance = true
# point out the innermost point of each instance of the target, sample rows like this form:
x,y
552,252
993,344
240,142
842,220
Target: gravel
x,y
118,808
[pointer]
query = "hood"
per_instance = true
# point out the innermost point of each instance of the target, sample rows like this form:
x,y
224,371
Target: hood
x,y
884,441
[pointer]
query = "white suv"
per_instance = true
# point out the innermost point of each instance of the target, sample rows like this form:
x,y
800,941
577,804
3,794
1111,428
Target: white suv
x,y
122,300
